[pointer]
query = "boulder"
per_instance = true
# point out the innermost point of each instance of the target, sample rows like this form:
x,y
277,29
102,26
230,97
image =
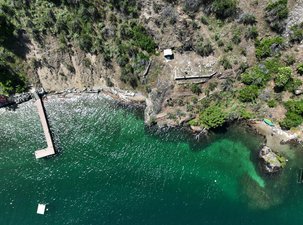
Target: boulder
x,y
271,161
298,92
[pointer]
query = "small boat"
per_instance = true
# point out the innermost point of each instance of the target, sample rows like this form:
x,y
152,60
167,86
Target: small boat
x,y
268,122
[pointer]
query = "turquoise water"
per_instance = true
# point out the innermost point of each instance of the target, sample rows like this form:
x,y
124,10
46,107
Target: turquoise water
x,y
111,169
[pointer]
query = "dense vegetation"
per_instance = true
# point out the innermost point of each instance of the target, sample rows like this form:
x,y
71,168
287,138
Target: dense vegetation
x,y
107,28
294,115
260,68
11,72
276,13
212,117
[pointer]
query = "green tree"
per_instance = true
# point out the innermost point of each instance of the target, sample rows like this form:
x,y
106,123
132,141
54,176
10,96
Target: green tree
x,y
283,77
248,93
6,28
295,106
294,115
291,120
212,117
264,46
256,76
224,8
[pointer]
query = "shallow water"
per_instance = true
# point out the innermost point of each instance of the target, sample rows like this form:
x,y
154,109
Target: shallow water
x,y
110,169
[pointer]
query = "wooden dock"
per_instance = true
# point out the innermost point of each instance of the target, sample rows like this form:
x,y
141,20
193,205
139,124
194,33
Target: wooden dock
x,y
50,150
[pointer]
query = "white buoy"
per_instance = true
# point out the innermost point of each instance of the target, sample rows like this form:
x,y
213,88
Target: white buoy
x,y
41,209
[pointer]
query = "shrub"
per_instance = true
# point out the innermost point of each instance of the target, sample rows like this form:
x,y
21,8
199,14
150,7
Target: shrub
x,y
248,93
212,85
248,19
169,14
256,76
224,8
243,51
296,33
276,13
247,78
192,5
141,39
220,43
268,46
289,60
293,85
225,63
272,103
273,65
294,106
294,114
300,69
85,42
251,33
291,120
236,39
204,20
204,49
212,117
195,88
87,62
229,47
243,67
128,76
244,114
283,77
122,60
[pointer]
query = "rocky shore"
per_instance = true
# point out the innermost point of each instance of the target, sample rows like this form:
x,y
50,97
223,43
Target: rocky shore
x,y
272,162
275,137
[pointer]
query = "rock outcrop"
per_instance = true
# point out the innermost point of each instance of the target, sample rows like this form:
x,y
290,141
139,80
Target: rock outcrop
x,y
271,161
295,16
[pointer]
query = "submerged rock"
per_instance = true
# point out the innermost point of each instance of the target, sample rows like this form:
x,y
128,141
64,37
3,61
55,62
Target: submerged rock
x,y
272,162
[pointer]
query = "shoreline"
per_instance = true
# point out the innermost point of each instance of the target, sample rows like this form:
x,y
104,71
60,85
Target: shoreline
x,y
122,96
275,137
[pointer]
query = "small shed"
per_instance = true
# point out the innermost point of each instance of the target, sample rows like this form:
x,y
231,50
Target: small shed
x,y
168,54
41,209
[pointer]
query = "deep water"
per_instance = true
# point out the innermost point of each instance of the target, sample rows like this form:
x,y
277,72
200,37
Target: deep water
x,y
111,170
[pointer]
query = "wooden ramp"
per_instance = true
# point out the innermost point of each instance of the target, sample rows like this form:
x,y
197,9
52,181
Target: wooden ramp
x,y
50,150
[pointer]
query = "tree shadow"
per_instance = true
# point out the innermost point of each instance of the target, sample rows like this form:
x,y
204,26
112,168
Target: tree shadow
x,y
18,44
12,106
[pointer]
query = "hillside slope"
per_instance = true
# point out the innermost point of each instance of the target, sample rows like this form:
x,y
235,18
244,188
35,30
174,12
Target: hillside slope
x,y
247,55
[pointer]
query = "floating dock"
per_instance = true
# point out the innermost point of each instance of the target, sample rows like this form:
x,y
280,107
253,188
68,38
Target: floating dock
x,y
41,209
50,150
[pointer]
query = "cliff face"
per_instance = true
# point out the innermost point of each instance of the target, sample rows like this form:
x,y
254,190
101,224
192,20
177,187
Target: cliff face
x,y
56,69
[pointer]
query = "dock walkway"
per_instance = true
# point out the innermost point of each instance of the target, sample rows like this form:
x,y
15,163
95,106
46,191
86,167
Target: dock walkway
x,y
50,150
